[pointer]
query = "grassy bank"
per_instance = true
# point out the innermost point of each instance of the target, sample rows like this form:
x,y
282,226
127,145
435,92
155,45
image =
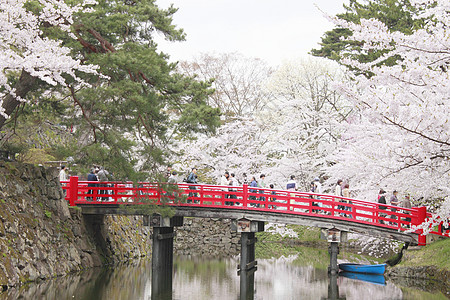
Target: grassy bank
x,y
436,254
426,268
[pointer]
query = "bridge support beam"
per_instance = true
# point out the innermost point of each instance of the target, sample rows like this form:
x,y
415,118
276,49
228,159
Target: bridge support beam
x,y
333,288
334,237
162,254
333,249
247,265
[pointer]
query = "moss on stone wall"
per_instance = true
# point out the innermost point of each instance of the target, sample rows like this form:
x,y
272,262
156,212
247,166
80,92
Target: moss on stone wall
x,y
40,237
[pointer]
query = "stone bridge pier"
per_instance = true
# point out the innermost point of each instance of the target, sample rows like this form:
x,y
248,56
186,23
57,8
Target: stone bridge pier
x,y
162,254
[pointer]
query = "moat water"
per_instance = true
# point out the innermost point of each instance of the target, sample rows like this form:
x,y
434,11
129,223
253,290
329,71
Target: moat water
x,y
293,276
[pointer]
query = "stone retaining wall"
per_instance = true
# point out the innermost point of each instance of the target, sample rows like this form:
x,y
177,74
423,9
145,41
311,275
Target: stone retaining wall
x,y
210,237
41,237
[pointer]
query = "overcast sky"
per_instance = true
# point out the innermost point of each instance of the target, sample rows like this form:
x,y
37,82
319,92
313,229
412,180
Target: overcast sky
x,y
273,30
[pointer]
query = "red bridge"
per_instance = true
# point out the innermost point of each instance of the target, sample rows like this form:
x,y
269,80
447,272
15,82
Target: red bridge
x,y
198,200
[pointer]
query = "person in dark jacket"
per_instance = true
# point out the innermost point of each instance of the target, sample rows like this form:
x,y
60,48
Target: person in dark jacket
x,y
192,178
92,176
253,183
382,200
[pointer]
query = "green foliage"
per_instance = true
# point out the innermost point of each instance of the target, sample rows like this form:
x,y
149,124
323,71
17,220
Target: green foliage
x,y
129,116
143,103
35,156
48,214
396,14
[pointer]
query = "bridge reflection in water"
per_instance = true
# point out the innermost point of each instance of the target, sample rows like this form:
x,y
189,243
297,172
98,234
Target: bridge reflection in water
x,y
248,208
286,277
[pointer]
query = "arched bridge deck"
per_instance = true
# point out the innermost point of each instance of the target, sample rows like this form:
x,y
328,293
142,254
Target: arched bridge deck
x,y
290,207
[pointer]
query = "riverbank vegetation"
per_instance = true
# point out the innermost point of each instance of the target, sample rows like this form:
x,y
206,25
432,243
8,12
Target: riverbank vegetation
x,y
436,254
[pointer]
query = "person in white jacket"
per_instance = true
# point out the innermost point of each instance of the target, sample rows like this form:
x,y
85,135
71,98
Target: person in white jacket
x,y
62,174
226,181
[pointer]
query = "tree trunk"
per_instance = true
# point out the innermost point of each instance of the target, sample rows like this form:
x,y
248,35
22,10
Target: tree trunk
x,y
22,87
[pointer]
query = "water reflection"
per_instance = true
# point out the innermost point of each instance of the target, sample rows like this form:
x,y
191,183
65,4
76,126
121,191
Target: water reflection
x,y
200,278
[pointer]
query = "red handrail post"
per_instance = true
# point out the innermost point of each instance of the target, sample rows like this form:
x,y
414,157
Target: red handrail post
x,y
244,195
421,216
73,186
158,192
333,206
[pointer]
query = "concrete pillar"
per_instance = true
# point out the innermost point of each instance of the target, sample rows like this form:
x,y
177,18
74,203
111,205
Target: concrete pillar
x,y
333,249
247,265
333,288
162,254
334,237
162,262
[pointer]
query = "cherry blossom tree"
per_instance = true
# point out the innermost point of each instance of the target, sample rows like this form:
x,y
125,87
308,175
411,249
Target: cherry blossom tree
x,y
398,137
237,81
237,147
292,135
27,55
302,119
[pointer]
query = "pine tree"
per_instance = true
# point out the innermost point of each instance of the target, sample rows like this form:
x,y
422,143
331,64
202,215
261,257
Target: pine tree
x,y
137,104
397,15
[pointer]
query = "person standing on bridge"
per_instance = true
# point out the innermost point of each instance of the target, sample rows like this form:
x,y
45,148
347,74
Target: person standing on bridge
x,y
253,183
92,176
62,174
244,178
317,190
394,202
382,200
291,185
172,178
262,185
406,203
338,188
234,183
225,181
317,186
63,177
171,187
102,176
192,178
346,195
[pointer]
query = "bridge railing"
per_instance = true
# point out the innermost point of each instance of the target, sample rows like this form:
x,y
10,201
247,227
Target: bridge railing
x,y
247,198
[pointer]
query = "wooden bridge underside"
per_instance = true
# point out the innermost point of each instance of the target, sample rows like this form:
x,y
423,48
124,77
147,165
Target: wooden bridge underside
x,y
283,218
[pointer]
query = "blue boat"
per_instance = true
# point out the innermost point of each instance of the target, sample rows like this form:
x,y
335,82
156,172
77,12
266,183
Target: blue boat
x,y
372,278
367,269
